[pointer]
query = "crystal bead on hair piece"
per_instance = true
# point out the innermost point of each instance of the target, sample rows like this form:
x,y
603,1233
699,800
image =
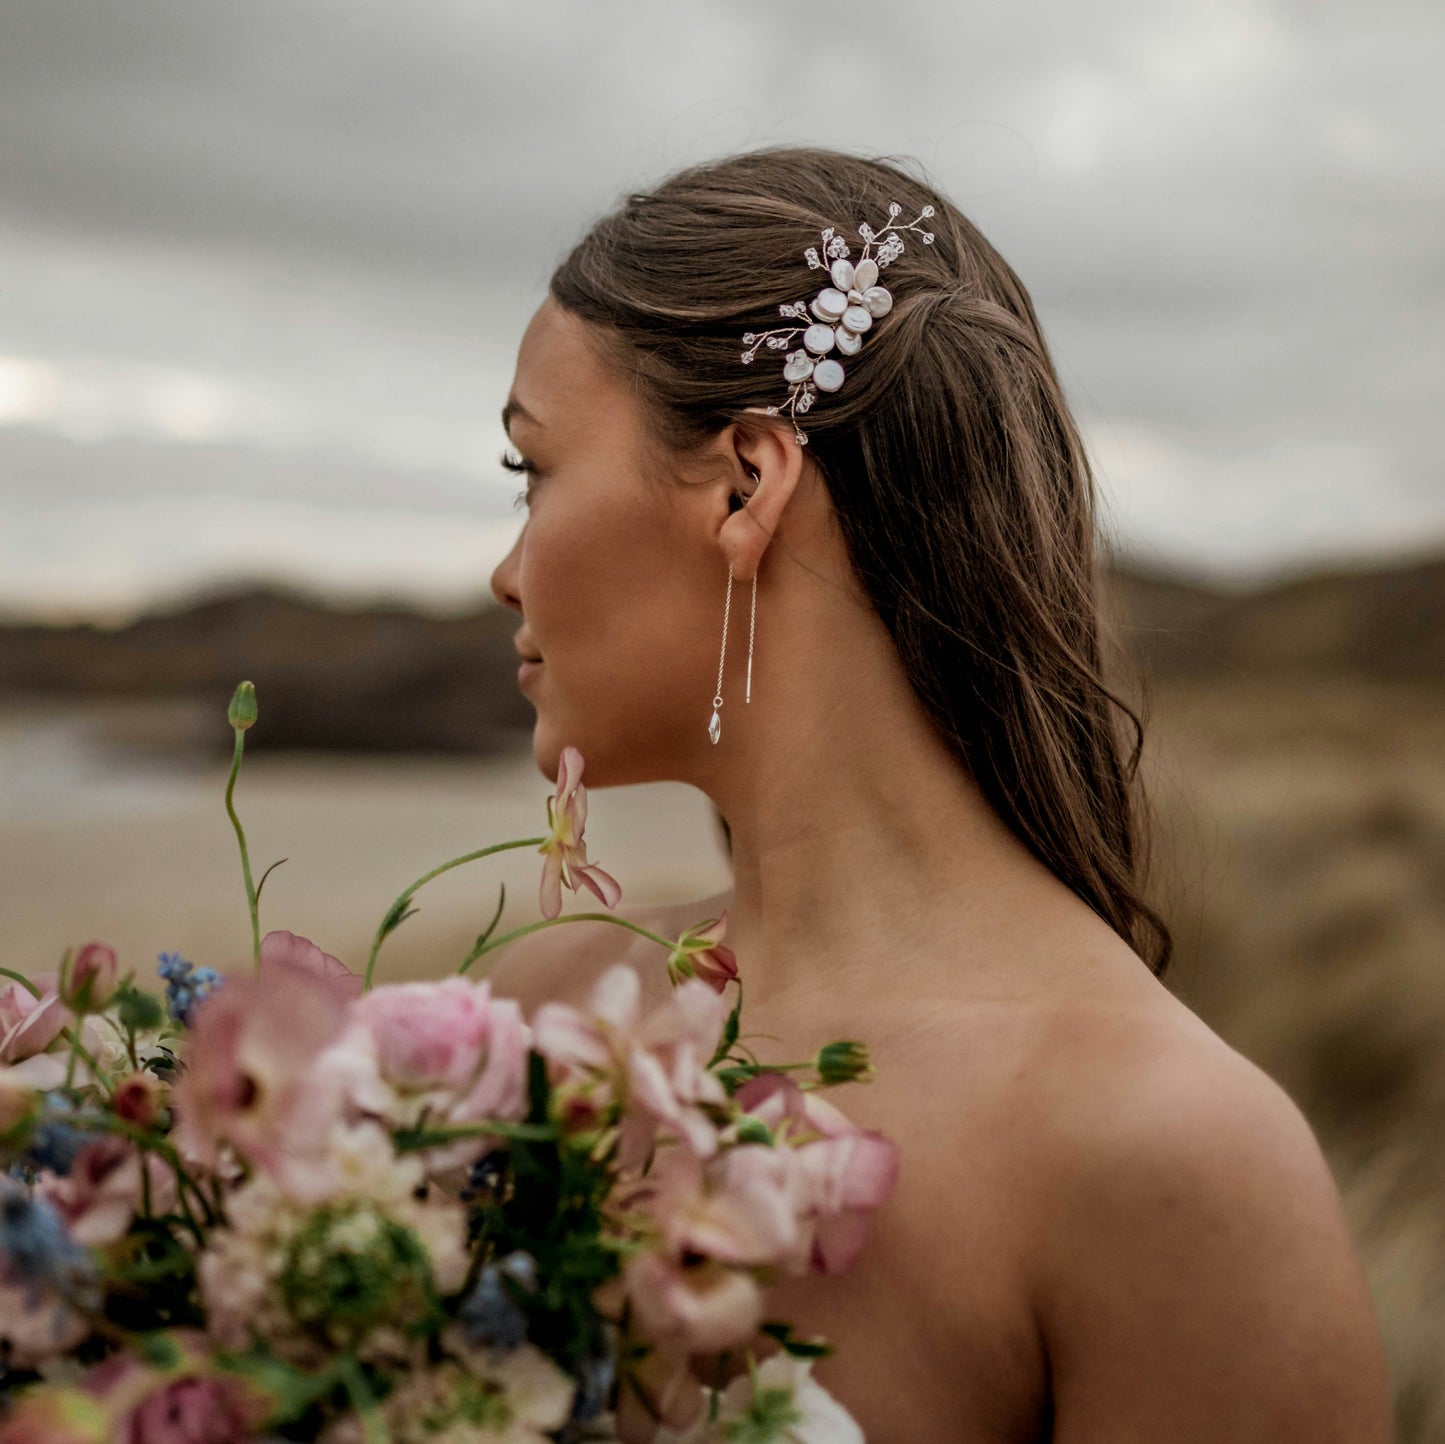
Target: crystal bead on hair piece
x,y
839,316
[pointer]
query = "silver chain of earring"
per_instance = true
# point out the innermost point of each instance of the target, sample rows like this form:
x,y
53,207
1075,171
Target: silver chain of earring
x,y
714,724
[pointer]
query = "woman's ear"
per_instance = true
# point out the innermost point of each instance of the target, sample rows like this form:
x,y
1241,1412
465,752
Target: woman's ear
x,y
768,463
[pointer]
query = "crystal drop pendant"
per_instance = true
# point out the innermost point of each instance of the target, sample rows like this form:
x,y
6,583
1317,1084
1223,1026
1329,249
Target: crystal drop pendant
x,y
714,727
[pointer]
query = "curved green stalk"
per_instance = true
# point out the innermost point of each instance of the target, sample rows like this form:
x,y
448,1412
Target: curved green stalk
x,y
20,978
397,914
497,942
245,856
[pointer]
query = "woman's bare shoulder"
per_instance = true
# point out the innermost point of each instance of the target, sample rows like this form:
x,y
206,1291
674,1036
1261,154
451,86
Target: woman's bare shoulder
x,y
561,964
1188,1215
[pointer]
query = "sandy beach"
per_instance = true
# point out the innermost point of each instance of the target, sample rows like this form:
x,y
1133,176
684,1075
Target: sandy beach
x,y
102,840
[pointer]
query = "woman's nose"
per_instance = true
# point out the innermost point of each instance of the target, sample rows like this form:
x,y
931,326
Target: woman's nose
x,y
507,577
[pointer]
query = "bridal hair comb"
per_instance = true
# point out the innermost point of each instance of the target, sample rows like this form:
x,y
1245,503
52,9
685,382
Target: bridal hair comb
x,y
838,316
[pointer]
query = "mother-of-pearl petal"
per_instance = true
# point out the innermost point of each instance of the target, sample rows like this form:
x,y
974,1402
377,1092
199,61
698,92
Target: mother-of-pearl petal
x,y
827,375
878,301
865,274
849,342
829,305
798,367
856,318
842,274
818,338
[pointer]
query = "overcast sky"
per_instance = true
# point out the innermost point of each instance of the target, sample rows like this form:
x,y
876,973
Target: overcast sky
x,y
264,266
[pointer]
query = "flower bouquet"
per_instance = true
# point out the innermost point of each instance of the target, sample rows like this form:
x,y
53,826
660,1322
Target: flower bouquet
x,y
286,1204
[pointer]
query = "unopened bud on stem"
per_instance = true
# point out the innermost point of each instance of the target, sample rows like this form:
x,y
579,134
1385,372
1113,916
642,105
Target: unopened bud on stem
x,y
242,713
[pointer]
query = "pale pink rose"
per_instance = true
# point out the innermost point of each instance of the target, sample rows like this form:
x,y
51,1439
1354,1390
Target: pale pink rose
x,y
29,1025
655,1067
287,949
139,1098
565,851
249,1078
448,1050
102,1191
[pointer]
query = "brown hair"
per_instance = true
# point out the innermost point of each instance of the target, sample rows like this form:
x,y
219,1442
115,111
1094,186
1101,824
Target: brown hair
x,y
955,469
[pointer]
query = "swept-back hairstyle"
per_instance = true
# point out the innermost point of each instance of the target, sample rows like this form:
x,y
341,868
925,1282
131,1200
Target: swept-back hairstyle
x,y
951,459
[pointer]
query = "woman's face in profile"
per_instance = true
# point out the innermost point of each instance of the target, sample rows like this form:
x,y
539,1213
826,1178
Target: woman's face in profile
x,y
616,577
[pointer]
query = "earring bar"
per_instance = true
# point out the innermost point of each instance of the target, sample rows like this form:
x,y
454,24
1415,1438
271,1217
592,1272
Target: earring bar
x,y
752,621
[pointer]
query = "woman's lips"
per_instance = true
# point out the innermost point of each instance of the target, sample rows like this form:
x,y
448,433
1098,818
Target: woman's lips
x,y
529,668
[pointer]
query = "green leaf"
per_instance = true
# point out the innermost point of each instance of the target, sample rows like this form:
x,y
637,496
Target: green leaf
x,y
138,1012
396,915
798,1348
730,1031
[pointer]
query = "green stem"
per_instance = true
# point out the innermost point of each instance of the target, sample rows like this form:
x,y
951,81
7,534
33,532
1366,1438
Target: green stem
x,y
79,1052
497,942
22,980
245,856
363,1401
392,920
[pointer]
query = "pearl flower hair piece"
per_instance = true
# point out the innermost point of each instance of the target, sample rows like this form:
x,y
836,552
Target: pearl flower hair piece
x,y
838,316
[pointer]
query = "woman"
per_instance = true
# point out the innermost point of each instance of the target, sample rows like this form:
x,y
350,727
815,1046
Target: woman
x,y
1109,1226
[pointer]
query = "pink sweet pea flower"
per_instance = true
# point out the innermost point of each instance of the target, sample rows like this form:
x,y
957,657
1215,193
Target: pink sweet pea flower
x,y
248,1079
700,954
693,1307
565,852
843,1172
654,1069
103,1190
29,1025
284,949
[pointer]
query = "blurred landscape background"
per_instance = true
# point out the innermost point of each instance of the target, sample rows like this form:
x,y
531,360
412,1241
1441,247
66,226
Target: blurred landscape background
x,y
263,271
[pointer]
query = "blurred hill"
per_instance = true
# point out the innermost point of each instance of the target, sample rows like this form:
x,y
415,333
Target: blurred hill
x,y
371,681
389,680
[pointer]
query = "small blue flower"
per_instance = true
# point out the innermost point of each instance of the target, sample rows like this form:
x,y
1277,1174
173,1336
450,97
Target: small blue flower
x,y
56,1141
36,1248
489,1314
186,985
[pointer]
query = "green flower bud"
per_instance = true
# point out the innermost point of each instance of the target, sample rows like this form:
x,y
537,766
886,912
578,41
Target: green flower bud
x,y
844,1062
242,713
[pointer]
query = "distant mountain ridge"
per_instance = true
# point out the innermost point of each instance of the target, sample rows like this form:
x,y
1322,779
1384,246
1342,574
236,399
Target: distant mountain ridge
x,y
388,679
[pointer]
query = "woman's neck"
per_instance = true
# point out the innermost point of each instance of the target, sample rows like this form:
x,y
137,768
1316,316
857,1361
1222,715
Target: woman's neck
x,y
859,841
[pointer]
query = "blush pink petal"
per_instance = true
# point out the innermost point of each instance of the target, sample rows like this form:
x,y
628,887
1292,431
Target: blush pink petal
x,y
603,885
31,1024
838,1241
854,1172
699,1309
286,948
549,897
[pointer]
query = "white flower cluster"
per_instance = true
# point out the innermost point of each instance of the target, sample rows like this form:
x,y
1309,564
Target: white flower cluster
x,y
838,316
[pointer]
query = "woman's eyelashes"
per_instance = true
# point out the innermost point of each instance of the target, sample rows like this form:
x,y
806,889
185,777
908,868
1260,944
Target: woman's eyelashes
x,y
525,468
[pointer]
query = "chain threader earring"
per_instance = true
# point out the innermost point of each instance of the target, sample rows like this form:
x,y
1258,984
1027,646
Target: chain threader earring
x,y
714,723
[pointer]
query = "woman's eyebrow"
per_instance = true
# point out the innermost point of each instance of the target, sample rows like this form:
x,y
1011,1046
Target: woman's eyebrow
x,y
514,408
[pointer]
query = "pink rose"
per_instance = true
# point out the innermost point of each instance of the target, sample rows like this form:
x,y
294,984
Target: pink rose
x,y
29,1025
448,1049
88,980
